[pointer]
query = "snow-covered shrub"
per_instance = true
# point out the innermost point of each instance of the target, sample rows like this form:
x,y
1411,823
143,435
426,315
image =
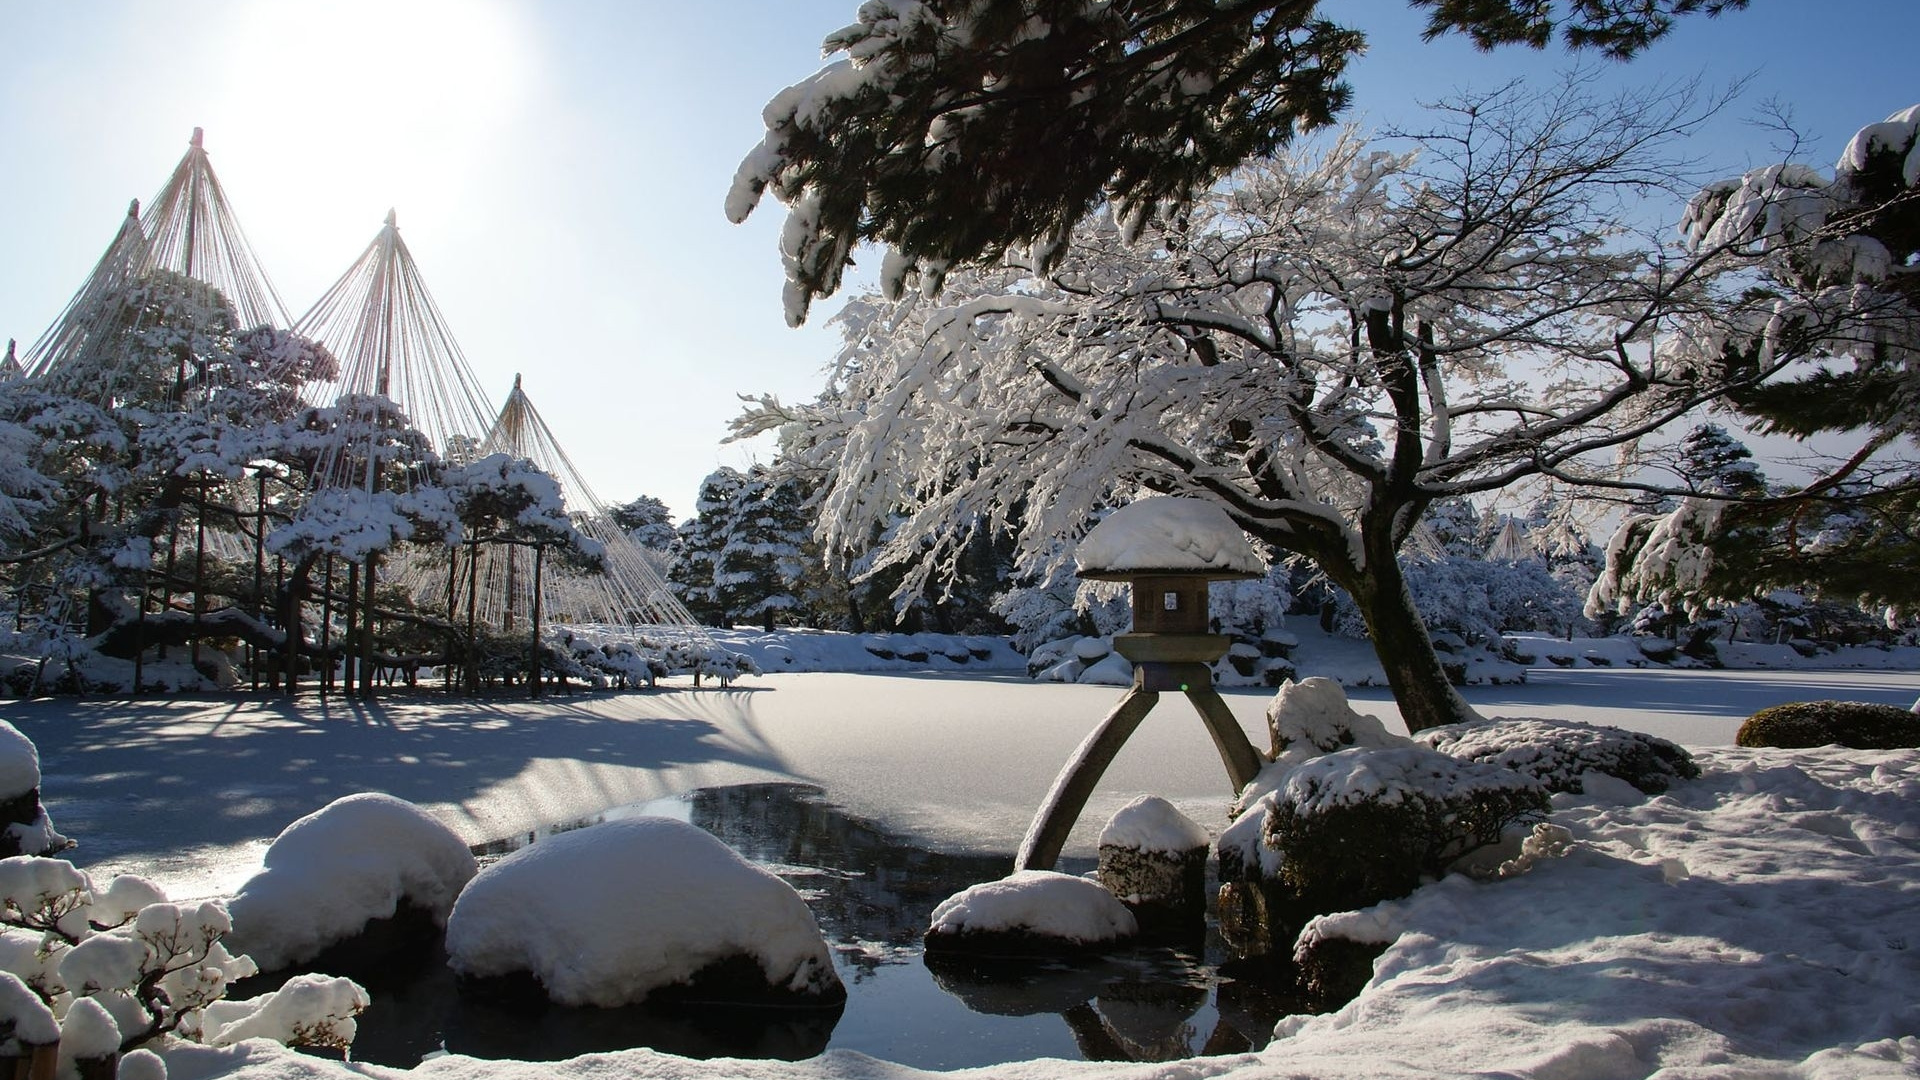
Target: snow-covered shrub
x,y
1561,753
1859,725
1306,719
1030,913
28,829
1369,824
124,959
326,876
638,909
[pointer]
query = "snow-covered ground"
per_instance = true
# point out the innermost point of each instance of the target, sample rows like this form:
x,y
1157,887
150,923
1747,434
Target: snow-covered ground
x,y
1756,922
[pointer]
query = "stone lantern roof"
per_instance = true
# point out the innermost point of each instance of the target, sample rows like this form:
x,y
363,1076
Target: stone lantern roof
x,y
1165,536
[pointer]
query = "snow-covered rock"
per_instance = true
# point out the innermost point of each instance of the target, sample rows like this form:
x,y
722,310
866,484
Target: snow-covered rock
x,y
25,828
613,913
1110,670
329,874
1154,858
1031,912
1151,823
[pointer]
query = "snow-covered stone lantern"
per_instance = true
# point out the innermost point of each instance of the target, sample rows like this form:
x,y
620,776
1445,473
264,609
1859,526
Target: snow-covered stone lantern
x,y
1168,550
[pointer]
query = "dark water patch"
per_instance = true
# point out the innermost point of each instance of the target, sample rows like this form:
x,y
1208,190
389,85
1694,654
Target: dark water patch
x,y
873,894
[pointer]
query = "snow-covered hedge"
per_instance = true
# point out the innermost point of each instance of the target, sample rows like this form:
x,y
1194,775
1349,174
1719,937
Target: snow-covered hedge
x,y
329,874
1562,754
120,966
1369,824
1860,725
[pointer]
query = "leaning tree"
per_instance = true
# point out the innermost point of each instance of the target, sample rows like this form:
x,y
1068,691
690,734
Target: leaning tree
x,y
1325,345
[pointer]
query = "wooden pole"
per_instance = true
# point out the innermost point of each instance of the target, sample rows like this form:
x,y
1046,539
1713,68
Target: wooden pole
x,y
199,567
366,634
533,682
473,605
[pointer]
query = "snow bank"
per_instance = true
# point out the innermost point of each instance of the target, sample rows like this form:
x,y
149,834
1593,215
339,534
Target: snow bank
x,y
1044,903
797,649
328,874
608,914
1168,534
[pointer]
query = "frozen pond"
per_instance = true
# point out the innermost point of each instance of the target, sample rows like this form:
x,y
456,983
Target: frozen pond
x,y
189,791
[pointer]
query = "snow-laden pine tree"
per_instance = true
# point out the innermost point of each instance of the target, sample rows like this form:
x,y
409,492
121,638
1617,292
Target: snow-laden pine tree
x,y
957,130
1325,346
741,556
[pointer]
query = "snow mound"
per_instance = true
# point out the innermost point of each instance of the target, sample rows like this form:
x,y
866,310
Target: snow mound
x,y
19,763
1563,755
1168,534
608,914
1151,823
354,860
1043,903
1311,717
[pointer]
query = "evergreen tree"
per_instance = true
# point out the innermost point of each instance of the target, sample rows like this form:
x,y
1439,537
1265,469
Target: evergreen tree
x,y
646,520
956,131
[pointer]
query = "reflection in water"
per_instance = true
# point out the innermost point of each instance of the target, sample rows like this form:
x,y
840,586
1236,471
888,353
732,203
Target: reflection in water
x,y
873,895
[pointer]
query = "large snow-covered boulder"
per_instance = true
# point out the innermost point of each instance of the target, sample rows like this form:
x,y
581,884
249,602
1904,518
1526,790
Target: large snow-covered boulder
x,y
1184,536
330,874
641,909
25,828
1031,913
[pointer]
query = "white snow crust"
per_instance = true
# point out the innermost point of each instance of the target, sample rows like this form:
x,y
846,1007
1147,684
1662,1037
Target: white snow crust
x,y
1043,902
1390,775
607,914
327,874
1165,533
1152,824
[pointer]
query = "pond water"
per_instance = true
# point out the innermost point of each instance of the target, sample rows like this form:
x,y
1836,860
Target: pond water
x,y
872,894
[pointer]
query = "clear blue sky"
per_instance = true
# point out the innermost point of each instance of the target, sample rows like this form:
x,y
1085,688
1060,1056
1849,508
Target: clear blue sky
x,y
558,168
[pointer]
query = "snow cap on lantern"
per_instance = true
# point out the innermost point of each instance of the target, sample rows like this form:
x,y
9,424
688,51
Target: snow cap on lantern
x,y
1168,549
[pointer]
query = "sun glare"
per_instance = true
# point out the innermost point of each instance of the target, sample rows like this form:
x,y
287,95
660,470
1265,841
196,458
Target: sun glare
x,y
349,107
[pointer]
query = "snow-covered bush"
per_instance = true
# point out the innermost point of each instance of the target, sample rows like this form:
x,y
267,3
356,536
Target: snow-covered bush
x,y
1859,725
123,959
326,876
28,829
1030,913
637,909
1360,826
1560,754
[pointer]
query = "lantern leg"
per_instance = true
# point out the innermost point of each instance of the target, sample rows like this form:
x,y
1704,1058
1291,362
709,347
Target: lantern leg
x,y
1048,833
1241,759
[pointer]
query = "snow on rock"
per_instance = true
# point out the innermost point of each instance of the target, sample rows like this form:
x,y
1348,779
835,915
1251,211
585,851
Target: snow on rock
x,y
1042,903
19,763
1151,823
1168,534
1110,670
608,914
356,859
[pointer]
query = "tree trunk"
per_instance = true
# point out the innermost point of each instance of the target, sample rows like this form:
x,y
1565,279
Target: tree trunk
x,y
1420,685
